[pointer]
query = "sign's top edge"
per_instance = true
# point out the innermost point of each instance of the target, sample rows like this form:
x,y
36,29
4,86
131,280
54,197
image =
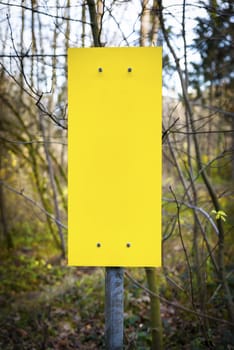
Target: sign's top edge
x,y
117,48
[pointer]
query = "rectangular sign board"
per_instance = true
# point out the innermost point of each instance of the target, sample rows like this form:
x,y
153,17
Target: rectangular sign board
x,y
114,156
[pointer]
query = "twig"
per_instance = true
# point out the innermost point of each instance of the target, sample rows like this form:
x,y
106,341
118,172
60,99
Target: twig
x,y
166,132
176,305
43,13
183,245
32,141
201,210
219,287
36,98
30,200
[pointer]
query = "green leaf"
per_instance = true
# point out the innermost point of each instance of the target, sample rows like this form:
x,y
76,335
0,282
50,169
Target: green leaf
x,y
219,215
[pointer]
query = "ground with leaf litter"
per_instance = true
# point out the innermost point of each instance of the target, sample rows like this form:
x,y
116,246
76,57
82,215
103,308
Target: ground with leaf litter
x,y
46,305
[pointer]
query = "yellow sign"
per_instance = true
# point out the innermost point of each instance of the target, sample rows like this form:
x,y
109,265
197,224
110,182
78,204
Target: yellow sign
x,y
114,156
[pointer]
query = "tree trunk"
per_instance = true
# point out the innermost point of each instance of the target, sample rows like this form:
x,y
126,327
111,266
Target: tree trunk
x,y
156,323
94,22
6,235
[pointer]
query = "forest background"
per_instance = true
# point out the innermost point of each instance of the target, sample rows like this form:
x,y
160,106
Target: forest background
x,y
47,305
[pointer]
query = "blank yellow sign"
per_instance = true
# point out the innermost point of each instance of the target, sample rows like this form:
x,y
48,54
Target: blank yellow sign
x,y
114,156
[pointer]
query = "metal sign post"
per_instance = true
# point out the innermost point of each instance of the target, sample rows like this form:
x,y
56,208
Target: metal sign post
x,y
114,308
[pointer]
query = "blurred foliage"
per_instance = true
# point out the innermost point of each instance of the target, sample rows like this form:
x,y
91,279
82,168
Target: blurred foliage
x,y
47,305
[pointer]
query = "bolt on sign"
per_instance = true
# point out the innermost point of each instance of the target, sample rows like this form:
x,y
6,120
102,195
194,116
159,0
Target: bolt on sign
x,y
114,156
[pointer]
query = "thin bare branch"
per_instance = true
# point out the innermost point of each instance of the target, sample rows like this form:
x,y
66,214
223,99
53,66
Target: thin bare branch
x,y
64,18
176,305
33,202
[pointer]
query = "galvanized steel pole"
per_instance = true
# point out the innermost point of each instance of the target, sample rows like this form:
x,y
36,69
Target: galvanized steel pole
x,y
114,308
